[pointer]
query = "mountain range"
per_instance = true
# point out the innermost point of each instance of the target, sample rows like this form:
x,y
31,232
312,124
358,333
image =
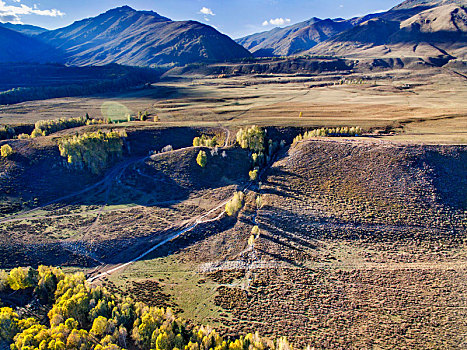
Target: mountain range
x,y
129,37
412,28
421,28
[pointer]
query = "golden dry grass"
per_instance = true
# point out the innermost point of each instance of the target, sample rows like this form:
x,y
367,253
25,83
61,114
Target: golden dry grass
x,y
423,106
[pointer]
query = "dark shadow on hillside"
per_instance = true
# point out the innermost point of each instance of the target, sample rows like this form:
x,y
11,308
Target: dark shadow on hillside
x,y
280,258
200,233
450,176
288,235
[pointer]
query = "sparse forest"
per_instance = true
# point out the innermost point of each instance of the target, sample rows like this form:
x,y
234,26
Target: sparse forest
x,y
47,127
93,151
73,314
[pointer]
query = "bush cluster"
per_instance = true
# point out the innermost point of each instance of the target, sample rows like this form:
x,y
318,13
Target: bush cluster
x,y
205,141
94,151
86,317
47,127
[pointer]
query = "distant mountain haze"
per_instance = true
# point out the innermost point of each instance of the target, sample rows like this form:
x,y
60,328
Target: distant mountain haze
x,y
17,47
293,39
26,29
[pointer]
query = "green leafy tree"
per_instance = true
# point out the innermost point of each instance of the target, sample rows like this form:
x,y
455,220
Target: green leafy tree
x,y
22,278
6,151
8,324
254,174
252,138
72,323
94,151
202,159
235,204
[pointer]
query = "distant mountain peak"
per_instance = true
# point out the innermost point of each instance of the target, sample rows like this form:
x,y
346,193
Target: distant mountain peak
x,y
125,8
122,10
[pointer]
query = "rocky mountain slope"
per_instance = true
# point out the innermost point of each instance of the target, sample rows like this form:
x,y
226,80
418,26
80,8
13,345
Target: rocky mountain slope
x,y
141,38
412,28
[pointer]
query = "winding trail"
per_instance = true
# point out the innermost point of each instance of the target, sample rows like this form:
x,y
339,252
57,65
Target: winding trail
x,y
198,221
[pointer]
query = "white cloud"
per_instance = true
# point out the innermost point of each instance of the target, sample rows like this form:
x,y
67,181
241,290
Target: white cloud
x,y
206,11
13,13
277,21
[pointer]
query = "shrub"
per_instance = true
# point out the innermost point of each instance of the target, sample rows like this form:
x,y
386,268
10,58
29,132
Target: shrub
x,y
255,231
6,151
23,136
202,159
235,204
254,174
36,133
259,202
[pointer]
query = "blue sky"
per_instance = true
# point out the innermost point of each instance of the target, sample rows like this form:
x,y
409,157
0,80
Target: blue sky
x,y
232,17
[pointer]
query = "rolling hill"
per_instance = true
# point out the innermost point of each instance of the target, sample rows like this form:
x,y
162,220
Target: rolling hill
x,y
141,38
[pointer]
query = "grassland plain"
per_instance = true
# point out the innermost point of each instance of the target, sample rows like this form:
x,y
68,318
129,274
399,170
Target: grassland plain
x,y
423,104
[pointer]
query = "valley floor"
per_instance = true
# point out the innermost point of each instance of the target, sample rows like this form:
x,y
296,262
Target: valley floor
x,y
425,105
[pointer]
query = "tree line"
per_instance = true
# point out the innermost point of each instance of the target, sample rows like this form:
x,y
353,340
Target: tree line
x,y
87,317
330,132
76,81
